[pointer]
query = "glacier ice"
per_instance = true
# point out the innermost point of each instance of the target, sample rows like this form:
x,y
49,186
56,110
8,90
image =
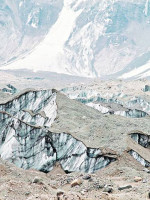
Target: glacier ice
x,y
135,107
34,107
144,162
32,147
26,141
143,140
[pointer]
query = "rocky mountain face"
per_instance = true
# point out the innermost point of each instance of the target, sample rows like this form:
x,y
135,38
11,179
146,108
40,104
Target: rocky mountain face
x,y
100,38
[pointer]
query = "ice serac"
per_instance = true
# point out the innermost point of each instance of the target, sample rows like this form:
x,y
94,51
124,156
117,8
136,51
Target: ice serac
x,y
10,89
31,147
26,140
142,139
33,107
109,103
99,37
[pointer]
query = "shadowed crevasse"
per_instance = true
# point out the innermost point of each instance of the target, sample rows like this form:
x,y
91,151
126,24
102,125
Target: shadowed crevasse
x,y
142,139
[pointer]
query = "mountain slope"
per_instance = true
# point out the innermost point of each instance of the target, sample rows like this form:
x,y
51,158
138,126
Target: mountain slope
x,y
23,24
92,38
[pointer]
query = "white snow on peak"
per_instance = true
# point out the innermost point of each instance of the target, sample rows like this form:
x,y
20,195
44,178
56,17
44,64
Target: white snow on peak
x,y
49,53
77,37
140,72
146,7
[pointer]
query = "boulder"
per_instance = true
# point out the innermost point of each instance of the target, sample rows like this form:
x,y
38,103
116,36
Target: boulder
x,y
125,187
148,195
60,193
137,179
37,180
146,170
86,177
76,182
108,189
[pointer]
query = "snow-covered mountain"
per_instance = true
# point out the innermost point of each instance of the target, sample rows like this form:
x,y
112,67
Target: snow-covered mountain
x,y
23,24
82,37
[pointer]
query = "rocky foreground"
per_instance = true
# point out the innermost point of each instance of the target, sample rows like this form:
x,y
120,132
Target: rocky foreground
x,y
93,145
119,181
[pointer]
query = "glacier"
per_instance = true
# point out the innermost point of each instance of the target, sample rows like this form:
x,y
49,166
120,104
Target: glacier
x,y
110,103
82,37
27,141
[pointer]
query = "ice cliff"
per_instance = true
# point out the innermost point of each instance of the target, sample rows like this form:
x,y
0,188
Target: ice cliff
x,y
142,151
111,103
26,141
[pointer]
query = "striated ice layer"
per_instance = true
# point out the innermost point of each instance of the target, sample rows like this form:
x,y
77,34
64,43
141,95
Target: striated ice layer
x,y
109,103
143,140
26,141
30,147
132,113
139,158
33,107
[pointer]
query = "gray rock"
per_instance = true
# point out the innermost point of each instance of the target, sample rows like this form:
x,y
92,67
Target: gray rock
x,y
27,193
147,88
86,177
146,170
149,195
108,189
98,185
60,193
144,181
37,180
125,187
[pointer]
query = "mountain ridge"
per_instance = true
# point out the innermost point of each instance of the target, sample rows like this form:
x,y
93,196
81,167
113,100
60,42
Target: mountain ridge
x,y
91,39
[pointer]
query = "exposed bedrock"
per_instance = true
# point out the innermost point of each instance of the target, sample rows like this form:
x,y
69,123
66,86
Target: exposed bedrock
x,y
34,107
142,139
30,147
